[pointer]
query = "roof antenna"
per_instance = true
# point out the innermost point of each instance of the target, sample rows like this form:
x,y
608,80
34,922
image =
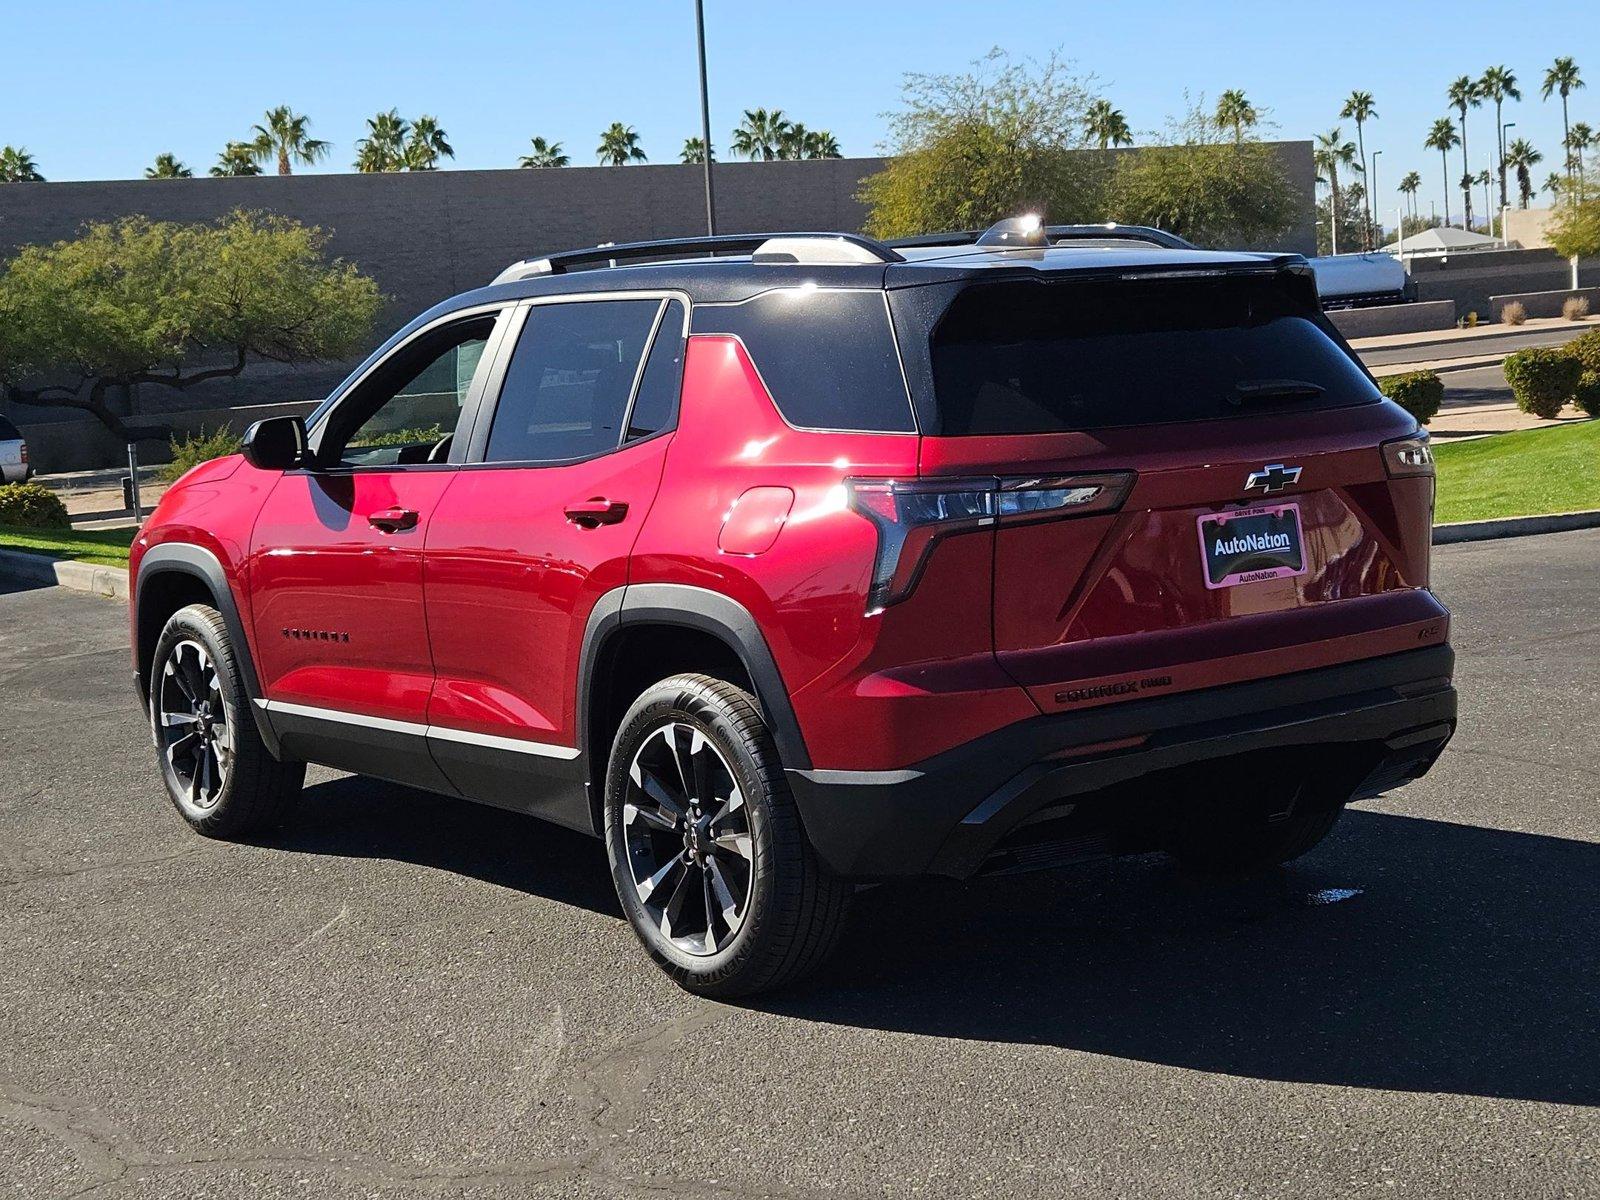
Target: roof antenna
x,y
1015,232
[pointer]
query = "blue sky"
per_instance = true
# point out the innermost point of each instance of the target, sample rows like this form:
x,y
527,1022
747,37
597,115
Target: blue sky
x,y
97,90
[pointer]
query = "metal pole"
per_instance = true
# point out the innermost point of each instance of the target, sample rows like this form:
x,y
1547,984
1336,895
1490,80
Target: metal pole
x,y
1372,197
133,476
705,117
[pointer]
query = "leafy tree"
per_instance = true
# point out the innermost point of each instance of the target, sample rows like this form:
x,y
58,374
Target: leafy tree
x,y
1107,126
143,302
167,166
1235,112
1443,138
1214,194
1409,186
970,148
1563,78
384,148
1361,108
427,145
545,154
1464,93
1500,84
237,158
1418,224
1353,229
761,134
694,151
1521,157
619,145
1330,153
282,136
17,166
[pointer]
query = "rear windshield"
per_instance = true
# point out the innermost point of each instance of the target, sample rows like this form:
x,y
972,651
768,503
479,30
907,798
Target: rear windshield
x,y
1028,357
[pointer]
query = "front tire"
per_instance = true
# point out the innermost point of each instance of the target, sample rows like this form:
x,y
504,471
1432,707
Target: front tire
x,y
707,852
219,774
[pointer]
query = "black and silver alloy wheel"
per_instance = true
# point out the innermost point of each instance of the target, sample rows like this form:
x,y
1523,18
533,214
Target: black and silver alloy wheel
x,y
687,830
192,728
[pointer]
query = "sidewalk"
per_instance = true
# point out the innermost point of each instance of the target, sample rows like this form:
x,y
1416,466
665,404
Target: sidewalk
x,y
1454,337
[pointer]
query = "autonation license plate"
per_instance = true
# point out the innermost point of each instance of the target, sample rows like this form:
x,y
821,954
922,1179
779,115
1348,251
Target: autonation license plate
x,y
1251,544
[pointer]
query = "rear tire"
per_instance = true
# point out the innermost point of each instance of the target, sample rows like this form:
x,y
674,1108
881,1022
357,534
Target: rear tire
x,y
219,774
707,852
1246,841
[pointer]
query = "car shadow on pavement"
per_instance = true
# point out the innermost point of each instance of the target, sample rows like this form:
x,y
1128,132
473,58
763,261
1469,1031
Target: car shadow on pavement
x,y
1467,962
357,817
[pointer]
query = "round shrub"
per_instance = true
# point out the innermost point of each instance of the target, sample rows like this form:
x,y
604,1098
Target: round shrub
x,y
32,506
195,448
1542,380
1587,396
1586,349
1420,393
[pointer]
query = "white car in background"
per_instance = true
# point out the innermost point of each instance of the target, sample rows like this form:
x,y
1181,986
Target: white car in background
x,y
14,466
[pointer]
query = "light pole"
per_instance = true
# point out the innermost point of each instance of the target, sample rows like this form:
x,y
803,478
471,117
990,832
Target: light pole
x,y
705,118
1372,205
1503,145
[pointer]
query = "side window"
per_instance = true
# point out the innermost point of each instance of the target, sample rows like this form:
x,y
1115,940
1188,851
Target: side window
x,y
567,387
407,410
656,406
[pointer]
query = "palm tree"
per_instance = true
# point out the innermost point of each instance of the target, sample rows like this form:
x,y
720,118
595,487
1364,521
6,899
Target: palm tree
x,y
17,166
1443,138
821,143
1580,138
792,141
1107,125
1563,78
545,154
383,149
1464,94
1500,84
1521,157
619,145
1409,187
1331,153
282,135
167,166
237,158
694,151
1556,184
1359,107
1236,113
760,134
427,145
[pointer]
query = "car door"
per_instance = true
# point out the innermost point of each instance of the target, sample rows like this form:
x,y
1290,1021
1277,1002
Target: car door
x,y
564,466
336,557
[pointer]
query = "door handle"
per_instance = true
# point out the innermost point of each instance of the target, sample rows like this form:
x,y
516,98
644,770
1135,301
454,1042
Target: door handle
x,y
596,511
393,520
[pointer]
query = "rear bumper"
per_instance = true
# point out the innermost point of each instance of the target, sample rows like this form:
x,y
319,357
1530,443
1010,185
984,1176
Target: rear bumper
x,y
946,815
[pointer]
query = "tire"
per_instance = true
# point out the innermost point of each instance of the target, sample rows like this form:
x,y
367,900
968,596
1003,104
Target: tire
x,y
697,810
1244,841
219,774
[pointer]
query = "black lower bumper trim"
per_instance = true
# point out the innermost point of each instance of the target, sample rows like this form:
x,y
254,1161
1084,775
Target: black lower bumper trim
x,y
946,815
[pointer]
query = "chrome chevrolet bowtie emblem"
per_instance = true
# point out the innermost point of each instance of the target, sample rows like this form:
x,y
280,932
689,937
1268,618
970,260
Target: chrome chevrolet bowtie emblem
x,y
1272,478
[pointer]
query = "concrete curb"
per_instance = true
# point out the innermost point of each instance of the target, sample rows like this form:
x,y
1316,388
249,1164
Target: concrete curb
x,y
1506,527
110,582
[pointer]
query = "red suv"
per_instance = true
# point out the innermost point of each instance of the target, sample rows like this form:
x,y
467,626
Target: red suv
x,y
793,562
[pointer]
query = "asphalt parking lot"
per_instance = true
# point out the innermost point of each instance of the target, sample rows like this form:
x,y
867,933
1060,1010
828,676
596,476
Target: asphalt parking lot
x,y
399,996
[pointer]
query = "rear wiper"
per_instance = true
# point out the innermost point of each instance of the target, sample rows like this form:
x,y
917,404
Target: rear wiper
x,y
1252,391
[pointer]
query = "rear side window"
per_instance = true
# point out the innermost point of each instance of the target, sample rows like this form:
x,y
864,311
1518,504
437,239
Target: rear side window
x,y
656,406
566,390
1029,357
8,431
828,357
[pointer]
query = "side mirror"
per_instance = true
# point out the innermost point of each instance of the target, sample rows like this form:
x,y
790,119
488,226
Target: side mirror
x,y
275,444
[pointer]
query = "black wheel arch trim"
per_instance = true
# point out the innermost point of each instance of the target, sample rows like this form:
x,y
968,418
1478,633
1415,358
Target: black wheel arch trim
x,y
696,608
185,558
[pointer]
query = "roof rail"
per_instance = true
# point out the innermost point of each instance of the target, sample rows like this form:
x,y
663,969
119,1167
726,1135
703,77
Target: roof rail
x,y
762,247
1056,233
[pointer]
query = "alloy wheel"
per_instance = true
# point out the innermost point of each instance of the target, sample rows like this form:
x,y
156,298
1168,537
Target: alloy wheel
x,y
191,724
687,831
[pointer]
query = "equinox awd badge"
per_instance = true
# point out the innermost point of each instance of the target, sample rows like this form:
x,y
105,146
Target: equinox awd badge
x,y
1273,477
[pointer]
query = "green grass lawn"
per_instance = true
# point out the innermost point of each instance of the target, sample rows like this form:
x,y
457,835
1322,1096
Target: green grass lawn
x,y
102,547
1519,474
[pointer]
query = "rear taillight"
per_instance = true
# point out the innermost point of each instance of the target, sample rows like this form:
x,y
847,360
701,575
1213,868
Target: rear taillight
x,y
24,453
912,514
1408,456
